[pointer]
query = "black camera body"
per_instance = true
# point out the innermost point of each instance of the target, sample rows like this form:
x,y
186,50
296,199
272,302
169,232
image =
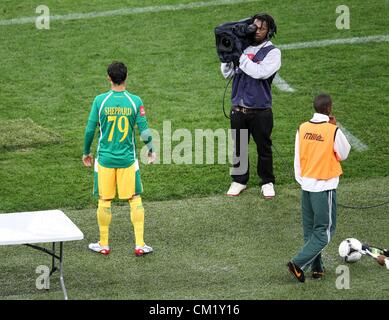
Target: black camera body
x,y
232,38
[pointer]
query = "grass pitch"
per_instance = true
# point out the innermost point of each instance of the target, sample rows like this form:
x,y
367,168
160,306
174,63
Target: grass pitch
x,y
209,248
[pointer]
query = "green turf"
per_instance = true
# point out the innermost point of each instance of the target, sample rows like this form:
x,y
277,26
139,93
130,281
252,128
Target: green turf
x,y
210,248
48,81
23,134
52,76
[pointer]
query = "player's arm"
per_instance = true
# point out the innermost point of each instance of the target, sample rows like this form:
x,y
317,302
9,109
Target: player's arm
x,y
87,157
297,166
145,133
264,69
341,146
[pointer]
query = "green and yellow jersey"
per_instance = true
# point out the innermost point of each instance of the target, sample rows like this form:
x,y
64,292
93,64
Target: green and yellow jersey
x,y
116,113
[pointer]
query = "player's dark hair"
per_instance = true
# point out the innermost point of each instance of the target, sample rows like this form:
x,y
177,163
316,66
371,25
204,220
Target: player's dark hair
x,y
117,71
322,102
271,24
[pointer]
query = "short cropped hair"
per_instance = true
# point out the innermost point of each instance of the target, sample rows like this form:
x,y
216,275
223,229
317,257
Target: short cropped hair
x,y
322,102
117,71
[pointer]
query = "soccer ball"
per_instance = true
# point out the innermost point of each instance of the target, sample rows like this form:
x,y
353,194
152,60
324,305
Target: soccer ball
x,y
349,250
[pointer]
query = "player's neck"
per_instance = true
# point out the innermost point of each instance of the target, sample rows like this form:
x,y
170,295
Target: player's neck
x,y
120,87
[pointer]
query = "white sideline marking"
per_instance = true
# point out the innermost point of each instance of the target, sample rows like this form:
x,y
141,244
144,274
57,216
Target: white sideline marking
x,y
125,11
282,85
354,141
330,42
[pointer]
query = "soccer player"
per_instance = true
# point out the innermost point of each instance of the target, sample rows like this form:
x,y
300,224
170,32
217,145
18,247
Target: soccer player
x,y
319,147
116,112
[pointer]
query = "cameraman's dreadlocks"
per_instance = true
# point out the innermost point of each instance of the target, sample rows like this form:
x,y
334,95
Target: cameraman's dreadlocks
x,y
272,27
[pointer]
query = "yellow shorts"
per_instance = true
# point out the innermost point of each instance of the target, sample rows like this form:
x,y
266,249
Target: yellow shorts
x,y
126,180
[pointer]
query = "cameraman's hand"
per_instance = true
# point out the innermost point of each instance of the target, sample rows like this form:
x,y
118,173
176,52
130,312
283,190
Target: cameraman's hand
x,y
227,69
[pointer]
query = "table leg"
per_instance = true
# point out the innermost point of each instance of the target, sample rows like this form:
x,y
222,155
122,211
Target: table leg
x,y
53,267
61,271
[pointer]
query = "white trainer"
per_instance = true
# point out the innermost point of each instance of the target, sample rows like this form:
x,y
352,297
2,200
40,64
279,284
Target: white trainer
x,y
96,247
236,189
268,190
140,251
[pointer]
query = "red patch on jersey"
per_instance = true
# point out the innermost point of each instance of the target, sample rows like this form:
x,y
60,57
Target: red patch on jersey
x,y
250,56
142,111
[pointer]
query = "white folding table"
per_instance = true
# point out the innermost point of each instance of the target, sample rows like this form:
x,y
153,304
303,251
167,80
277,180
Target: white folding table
x,y
49,226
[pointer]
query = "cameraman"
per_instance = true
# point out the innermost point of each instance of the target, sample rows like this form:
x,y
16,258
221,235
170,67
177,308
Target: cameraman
x,y
251,100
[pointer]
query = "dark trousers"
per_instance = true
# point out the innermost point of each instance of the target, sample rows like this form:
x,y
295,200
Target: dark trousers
x,y
259,125
319,224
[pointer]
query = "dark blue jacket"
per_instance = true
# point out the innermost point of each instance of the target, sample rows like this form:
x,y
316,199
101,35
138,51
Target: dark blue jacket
x,y
256,93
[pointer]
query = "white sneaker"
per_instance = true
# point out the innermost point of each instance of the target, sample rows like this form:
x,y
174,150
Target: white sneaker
x,y
96,247
140,251
268,190
235,189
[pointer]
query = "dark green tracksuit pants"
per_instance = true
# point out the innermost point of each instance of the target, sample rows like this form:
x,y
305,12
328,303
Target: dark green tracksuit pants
x,y
319,223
